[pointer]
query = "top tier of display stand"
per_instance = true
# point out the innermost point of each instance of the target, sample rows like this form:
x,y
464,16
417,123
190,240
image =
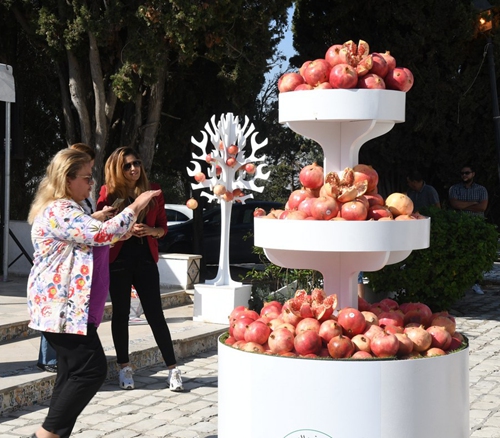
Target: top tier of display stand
x,y
341,121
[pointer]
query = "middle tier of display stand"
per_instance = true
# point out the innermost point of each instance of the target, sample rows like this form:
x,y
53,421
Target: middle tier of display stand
x,y
340,249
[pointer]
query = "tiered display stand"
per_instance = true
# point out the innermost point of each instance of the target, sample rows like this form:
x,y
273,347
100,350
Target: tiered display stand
x,y
278,397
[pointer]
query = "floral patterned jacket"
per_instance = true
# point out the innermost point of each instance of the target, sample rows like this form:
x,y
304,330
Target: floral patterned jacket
x,y
61,277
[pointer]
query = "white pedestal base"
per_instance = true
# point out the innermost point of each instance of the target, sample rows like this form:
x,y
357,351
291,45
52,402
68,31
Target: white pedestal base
x,y
181,269
213,304
283,397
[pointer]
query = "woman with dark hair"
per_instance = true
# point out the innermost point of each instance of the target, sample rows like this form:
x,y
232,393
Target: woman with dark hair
x,y
68,283
133,262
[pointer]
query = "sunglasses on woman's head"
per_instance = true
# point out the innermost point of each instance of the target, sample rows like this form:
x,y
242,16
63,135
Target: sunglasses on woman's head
x,y
135,163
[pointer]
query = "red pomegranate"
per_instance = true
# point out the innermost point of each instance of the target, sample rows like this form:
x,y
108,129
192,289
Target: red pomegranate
x,y
281,341
311,176
352,321
324,208
343,76
341,347
421,339
307,342
384,344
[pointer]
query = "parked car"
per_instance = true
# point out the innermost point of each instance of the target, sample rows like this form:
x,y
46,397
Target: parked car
x,y
177,213
179,238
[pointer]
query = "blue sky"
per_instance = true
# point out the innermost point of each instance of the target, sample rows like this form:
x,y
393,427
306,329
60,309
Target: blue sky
x,y
286,46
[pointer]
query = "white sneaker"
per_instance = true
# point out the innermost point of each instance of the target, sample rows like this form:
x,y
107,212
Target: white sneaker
x,y
125,378
477,289
175,379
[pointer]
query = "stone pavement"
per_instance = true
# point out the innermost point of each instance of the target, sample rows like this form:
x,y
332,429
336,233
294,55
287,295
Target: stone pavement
x,y
151,410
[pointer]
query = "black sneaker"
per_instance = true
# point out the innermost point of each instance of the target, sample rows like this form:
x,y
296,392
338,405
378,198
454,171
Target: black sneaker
x,y
48,368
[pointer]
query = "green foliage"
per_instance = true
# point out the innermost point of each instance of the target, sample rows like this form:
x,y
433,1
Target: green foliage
x,y
267,280
462,247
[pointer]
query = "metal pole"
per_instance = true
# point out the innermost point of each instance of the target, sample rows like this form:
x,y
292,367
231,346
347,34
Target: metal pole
x,y
5,265
494,97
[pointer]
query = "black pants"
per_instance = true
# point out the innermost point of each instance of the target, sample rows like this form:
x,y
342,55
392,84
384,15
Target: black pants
x,y
81,370
142,273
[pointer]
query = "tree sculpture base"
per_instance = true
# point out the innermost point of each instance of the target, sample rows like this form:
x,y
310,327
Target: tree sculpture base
x,y
213,304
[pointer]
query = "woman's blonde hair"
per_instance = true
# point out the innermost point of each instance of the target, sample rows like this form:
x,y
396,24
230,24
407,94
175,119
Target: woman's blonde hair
x,y
54,185
82,147
116,183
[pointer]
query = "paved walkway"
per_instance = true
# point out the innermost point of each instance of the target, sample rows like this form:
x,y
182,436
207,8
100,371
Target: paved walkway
x,y
151,410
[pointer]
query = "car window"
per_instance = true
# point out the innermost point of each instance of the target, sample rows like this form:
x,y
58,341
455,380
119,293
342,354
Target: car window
x,y
174,215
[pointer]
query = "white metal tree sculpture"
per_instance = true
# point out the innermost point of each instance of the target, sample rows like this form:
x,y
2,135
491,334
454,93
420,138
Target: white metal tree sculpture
x,y
229,174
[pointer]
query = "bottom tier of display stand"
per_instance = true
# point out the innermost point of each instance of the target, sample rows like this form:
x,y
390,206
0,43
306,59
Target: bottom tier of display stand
x,y
283,397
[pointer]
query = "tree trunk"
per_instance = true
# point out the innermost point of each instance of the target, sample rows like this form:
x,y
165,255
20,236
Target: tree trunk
x,y
77,93
147,146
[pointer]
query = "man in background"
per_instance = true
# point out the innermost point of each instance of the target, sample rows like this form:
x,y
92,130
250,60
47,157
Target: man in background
x,y
470,198
422,194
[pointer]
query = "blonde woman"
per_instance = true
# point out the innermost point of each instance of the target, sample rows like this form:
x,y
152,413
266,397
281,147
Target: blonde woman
x,y
68,283
133,262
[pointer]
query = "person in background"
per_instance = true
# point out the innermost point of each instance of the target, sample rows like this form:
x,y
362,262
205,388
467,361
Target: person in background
x,y
47,360
68,283
47,356
134,263
422,194
470,198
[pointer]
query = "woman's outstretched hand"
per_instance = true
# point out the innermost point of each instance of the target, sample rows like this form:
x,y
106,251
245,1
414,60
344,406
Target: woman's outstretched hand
x,y
143,199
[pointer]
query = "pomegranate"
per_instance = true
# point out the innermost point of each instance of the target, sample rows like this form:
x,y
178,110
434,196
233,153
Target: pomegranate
x,y
389,59
235,312
240,327
230,340
253,347
307,342
259,212
324,208
231,162
305,205
399,203
303,87
372,330
200,177
434,351
445,321
233,149
329,329
370,317
441,338
323,86
281,341
228,196
366,172
374,199
371,81
269,304
218,169
296,197
405,344
421,339
311,176
307,324
219,189
379,66
317,72
340,347
288,326
364,66
361,343
361,355
363,304
192,203
384,344
289,81
354,211
250,168
377,212
343,76
295,215
337,54
400,79
417,312
391,318
352,321
288,316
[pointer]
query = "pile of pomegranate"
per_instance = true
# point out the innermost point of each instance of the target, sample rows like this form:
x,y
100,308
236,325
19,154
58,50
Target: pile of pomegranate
x,y
349,195
349,65
307,326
